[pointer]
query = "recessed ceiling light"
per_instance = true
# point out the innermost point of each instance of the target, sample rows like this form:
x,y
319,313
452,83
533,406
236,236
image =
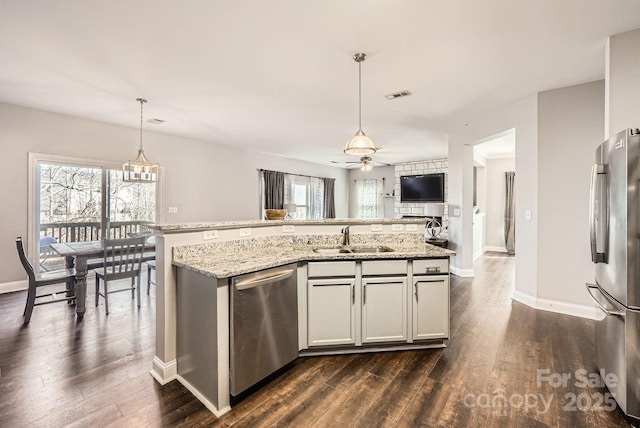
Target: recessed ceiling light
x,y
397,95
156,121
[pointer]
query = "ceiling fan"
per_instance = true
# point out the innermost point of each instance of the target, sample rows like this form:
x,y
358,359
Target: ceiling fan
x,y
366,163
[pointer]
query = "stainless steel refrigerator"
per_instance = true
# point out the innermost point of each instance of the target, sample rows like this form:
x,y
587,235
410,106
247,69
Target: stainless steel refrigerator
x,y
614,215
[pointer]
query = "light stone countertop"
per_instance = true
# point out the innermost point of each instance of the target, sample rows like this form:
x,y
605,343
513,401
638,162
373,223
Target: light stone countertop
x,y
221,225
231,258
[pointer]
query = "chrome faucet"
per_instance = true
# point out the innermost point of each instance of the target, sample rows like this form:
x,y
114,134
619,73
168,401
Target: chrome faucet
x,y
345,236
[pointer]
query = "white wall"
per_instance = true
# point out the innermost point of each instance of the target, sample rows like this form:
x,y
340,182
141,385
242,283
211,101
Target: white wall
x,y
378,173
623,82
205,181
495,197
570,127
522,117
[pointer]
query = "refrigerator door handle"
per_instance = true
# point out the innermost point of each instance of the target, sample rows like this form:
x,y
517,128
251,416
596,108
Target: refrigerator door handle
x,y
594,213
600,305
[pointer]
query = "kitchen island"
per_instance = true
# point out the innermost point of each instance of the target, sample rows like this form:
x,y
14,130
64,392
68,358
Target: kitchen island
x,y
357,298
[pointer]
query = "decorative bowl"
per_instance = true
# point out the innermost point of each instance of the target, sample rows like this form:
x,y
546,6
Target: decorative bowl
x,y
272,214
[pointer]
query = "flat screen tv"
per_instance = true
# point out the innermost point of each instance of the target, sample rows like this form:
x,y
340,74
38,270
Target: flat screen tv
x,y
422,188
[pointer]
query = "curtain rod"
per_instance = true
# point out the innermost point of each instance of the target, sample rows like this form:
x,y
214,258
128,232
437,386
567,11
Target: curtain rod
x,y
290,173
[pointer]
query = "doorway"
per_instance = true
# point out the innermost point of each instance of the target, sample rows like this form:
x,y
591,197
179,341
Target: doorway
x,y
72,200
493,158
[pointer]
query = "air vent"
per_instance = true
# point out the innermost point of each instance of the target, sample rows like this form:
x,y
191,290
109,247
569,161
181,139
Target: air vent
x,y
156,121
397,95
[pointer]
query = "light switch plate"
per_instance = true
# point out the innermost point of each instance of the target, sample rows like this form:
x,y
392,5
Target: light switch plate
x,y
173,210
527,214
210,234
376,228
288,228
412,227
456,212
397,227
245,232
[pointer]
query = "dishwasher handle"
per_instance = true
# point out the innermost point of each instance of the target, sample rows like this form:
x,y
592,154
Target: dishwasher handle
x,y
252,283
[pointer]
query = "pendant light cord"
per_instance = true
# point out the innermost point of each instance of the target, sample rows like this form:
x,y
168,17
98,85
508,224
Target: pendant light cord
x,y
142,101
360,95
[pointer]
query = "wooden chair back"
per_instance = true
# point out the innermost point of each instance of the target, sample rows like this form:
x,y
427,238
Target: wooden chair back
x,y
24,260
123,257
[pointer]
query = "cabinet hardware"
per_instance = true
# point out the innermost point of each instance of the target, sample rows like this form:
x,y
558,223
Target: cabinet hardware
x,y
434,269
415,287
364,293
353,294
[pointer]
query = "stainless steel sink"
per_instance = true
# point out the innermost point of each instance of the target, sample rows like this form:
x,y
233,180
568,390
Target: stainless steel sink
x,y
348,250
331,250
378,249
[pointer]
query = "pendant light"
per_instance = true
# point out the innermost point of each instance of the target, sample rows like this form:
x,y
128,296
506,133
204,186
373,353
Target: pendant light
x,y
141,170
360,144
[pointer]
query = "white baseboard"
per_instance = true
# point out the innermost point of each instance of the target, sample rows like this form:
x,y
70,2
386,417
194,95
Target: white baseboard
x,y
494,248
582,311
164,372
208,404
463,273
10,287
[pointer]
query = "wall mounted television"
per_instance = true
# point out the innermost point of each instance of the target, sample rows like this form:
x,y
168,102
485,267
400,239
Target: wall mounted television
x,y
422,188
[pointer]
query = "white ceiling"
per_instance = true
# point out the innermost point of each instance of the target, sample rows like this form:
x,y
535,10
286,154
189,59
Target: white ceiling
x,y
499,147
278,76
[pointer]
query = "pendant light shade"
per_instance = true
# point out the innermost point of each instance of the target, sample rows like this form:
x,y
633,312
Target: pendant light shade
x,y
360,144
140,170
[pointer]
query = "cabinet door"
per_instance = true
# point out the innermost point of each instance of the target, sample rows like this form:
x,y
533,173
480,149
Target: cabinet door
x,y
331,312
431,307
384,309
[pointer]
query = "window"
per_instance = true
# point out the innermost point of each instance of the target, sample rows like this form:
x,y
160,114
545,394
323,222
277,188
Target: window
x,y
369,198
307,194
74,200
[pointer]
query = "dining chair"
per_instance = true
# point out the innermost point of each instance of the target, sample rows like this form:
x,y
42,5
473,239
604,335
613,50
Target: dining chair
x,y
37,279
151,265
122,259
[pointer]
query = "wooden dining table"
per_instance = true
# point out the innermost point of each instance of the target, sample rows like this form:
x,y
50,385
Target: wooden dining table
x,y
77,255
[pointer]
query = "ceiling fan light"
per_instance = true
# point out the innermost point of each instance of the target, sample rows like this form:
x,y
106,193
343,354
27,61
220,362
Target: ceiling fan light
x,y
366,167
360,144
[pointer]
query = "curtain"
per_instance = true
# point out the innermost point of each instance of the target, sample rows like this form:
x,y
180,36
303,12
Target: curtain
x,y
369,202
329,198
273,189
509,213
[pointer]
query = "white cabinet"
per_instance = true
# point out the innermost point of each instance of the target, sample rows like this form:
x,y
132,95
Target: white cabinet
x,y
430,307
384,309
331,311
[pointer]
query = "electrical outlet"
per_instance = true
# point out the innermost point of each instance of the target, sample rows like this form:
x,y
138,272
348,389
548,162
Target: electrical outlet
x,y
412,227
527,214
173,210
397,227
376,228
456,212
288,228
245,232
210,234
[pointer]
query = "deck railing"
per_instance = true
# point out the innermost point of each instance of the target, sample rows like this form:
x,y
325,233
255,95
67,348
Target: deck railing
x,y
92,231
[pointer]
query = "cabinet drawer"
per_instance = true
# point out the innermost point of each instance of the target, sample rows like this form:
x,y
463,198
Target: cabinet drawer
x,y
327,269
430,266
384,267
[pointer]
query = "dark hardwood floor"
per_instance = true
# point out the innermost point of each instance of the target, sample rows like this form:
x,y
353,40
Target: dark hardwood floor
x,y
59,372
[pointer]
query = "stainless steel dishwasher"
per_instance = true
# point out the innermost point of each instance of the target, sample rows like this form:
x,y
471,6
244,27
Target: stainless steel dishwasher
x,y
264,325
